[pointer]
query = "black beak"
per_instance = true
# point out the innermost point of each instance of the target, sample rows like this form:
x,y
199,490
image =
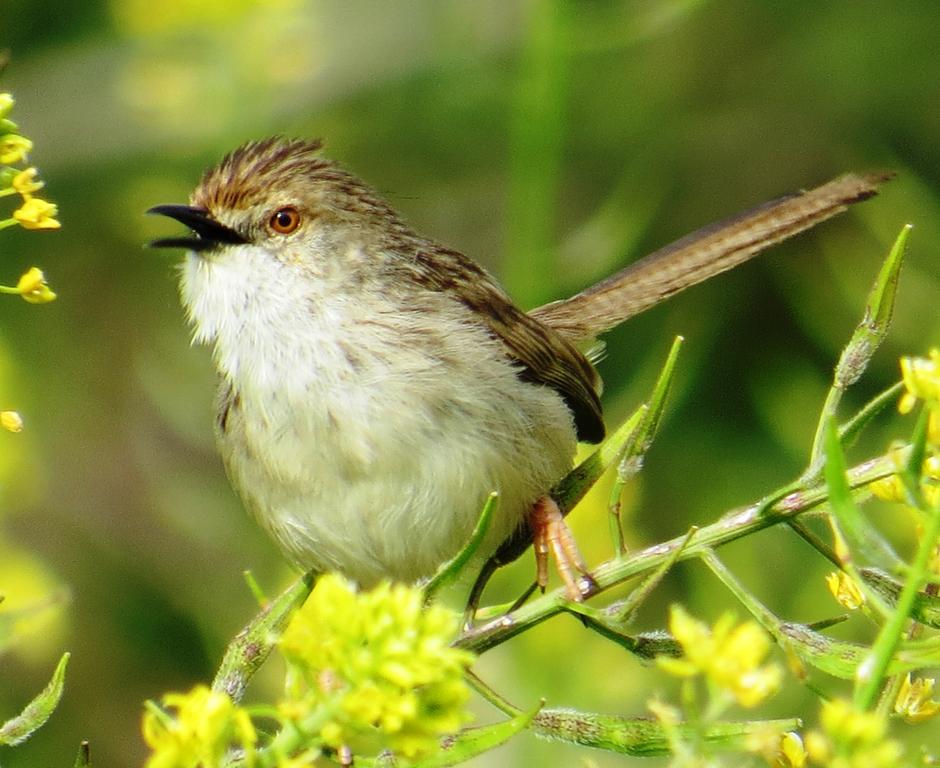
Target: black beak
x,y
208,233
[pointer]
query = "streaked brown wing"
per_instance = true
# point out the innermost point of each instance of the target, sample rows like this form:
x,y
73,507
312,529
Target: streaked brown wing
x,y
544,356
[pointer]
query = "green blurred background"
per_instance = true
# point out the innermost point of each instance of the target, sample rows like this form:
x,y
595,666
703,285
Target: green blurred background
x,y
553,142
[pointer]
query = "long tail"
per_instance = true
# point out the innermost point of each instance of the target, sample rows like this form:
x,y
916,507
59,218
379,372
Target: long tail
x,y
701,255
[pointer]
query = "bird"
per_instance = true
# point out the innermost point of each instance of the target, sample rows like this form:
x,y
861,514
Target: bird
x,y
376,386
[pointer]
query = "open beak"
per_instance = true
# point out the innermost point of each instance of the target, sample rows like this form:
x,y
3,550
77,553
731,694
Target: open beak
x,y
207,232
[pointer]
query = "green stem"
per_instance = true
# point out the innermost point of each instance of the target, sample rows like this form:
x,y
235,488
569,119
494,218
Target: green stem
x,y
816,542
780,506
754,606
874,668
493,697
826,416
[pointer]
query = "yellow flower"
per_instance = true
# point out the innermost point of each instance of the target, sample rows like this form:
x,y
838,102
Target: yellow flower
x,y
891,488
32,287
851,738
11,421
913,701
921,376
888,488
845,590
6,104
380,663
36,213
729,656
26,182
206,725
14,148
792,752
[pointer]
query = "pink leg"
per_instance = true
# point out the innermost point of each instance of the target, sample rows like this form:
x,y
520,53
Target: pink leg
x,y
551,535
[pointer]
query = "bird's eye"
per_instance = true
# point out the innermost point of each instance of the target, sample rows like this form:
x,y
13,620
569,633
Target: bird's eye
x,y
285,220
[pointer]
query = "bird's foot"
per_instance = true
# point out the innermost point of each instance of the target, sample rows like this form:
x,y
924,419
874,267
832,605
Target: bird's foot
x,y
552,536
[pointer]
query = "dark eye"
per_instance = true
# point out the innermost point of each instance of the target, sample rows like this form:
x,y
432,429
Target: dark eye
x,y
285,220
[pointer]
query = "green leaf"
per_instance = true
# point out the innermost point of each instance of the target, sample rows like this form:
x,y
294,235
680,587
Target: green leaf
x,y
634,434
20,728
248,651
873,328
475,741
640,441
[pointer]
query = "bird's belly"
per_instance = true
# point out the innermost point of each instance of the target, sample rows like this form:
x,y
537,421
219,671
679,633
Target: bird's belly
x,y
393,487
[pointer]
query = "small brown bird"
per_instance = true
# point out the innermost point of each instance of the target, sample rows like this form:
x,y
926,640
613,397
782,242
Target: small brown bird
x,y
375,386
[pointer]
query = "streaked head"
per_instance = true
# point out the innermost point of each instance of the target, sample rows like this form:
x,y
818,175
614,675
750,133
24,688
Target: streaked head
x,y
276,193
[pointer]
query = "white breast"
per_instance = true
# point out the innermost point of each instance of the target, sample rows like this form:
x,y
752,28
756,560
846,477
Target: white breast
x,y
367,431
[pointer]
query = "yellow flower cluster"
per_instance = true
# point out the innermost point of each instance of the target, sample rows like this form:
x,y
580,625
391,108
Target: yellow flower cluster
x,y
728,656
204,727
33,212
374,668
851,738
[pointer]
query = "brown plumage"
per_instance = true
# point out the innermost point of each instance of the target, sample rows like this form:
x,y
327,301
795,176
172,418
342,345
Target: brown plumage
x,y
376,386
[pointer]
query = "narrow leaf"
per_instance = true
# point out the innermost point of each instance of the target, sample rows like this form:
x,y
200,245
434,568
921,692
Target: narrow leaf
x,y
475,741
657,400
640,442
20,728
862,537
248,651
637,430
914,466
878,310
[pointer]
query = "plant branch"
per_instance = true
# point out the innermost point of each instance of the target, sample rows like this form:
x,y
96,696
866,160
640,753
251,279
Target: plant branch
x,y
780,506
